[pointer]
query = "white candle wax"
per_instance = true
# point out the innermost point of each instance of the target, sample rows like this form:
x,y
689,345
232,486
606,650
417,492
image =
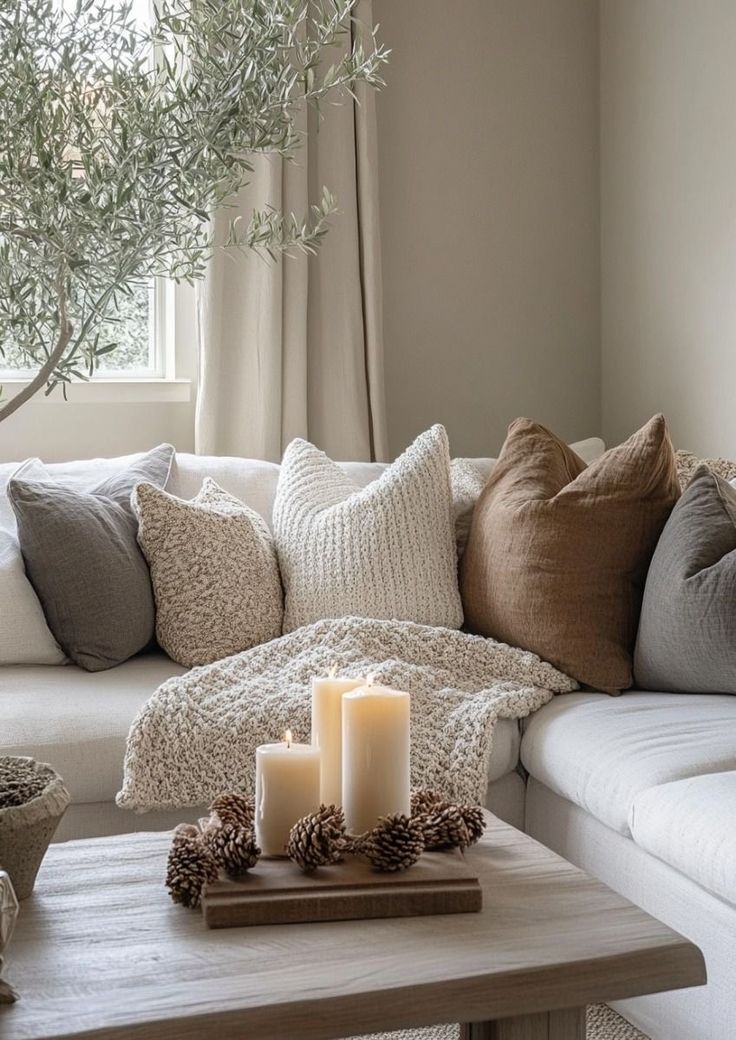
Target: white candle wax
x,y
287,788
327,732
375,750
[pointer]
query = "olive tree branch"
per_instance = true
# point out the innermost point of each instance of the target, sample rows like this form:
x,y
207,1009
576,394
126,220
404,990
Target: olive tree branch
x,y
48,368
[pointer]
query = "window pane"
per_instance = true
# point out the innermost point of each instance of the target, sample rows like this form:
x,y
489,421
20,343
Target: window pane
x,y
131,330
131,327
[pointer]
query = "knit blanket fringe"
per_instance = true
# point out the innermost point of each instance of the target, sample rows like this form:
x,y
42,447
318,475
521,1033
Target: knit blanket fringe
x,y
197,735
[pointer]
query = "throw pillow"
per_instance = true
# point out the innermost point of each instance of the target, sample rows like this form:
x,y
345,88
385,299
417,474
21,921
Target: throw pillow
x,y
83,560
687,632
214,571
24,635
558,552
688,463
469,477
383,551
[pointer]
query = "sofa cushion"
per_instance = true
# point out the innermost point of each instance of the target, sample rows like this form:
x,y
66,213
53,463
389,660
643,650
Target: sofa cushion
x,y
253,481
25,637
76,720
687,630
469,477
79,721
558,552
383,551
214,572
691,824
83,560
600,753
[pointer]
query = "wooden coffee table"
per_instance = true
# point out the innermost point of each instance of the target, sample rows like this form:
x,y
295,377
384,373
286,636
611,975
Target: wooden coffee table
x,y
101,952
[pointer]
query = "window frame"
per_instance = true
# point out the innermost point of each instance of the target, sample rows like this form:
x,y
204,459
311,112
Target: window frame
x,y
161,348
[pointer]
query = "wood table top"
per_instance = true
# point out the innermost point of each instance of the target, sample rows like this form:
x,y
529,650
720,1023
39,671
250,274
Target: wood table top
x,y
100,951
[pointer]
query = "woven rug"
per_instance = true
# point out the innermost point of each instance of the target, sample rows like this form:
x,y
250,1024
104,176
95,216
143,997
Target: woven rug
x,y
602,1024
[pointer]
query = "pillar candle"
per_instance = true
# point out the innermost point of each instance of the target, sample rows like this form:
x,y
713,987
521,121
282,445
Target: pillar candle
x,y
287,788
375,755
327,732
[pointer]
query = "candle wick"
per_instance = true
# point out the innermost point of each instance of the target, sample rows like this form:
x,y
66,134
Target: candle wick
x,y
369,679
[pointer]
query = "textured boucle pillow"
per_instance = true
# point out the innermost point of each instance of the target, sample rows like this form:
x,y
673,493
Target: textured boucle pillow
x,y
687,632
558,551
688,464
383,551
214,571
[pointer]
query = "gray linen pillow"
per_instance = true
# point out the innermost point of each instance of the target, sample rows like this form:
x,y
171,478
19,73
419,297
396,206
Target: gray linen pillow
x,y
82,558
687,629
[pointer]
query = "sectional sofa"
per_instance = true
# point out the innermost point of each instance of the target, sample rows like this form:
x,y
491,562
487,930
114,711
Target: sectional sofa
x,y
639,789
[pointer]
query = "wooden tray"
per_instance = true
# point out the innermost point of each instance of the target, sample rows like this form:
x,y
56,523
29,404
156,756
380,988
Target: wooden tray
x,y
277,892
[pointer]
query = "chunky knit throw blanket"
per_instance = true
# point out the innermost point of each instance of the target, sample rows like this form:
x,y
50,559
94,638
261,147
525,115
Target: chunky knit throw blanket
x,y
197,735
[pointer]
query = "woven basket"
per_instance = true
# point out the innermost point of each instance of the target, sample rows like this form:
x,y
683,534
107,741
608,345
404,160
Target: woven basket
x,y
27,829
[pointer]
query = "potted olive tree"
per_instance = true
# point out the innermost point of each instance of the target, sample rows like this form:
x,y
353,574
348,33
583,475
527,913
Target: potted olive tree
x,y
119,141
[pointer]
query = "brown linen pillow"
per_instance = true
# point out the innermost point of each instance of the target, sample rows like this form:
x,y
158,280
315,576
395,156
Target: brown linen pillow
x,y
558,552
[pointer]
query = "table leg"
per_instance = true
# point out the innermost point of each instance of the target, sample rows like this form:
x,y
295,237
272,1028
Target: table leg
x,y
550,1025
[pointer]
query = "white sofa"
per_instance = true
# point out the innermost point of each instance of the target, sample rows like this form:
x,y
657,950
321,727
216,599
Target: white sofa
x,y
78,721
639,790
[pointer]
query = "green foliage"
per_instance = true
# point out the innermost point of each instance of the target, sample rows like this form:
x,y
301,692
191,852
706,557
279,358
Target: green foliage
x,y
127,329
120,142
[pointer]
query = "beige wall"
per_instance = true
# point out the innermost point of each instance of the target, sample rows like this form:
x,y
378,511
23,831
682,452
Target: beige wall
x,y
488,144
57,431
668,182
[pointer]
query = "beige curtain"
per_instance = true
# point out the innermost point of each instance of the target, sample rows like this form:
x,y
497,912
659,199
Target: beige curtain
x,y
294,348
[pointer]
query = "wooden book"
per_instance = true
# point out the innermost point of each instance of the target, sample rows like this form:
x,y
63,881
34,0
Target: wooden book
x,y
277,892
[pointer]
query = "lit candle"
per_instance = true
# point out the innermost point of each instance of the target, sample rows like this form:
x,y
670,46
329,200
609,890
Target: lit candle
x,y
327,731
375,755
287,788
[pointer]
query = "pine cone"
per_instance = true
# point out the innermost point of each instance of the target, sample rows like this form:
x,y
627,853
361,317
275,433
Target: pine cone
x,y
426,802
317,840
452,827
234,808
190,865
474,821
232,847
445,829
395,843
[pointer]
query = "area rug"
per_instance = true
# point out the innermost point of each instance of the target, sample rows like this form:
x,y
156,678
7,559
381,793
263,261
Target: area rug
x,y
602,1024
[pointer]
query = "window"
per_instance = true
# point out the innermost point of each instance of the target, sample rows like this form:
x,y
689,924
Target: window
x,y
142,326
135,333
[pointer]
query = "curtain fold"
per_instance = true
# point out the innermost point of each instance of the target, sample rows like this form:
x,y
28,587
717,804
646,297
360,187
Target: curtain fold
x,y
294,348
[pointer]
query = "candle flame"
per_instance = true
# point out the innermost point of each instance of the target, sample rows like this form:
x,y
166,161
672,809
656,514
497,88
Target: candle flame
x,y
288,738
370,679
332,672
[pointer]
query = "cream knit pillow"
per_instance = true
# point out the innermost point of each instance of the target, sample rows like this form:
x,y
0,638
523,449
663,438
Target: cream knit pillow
x,y
214,572
383,551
